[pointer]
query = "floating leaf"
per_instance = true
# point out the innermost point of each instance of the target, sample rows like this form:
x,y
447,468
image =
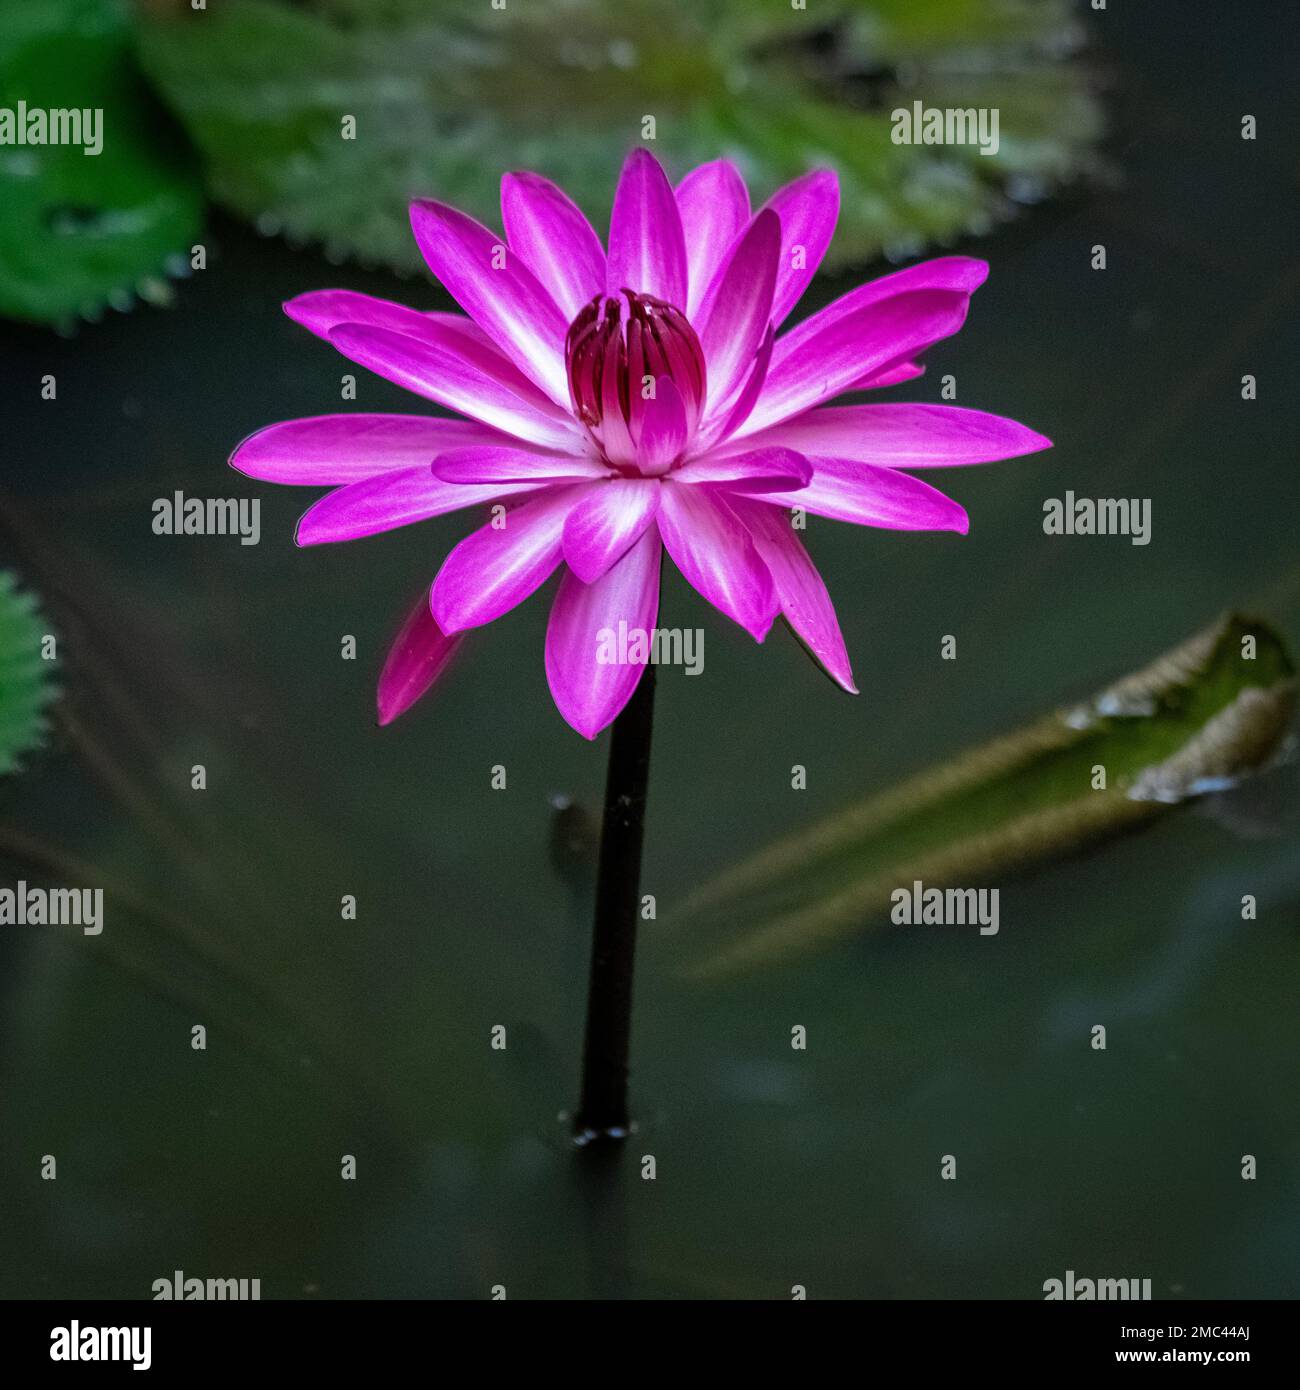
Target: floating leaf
x,y
446,96
1196,721
24,676
79,231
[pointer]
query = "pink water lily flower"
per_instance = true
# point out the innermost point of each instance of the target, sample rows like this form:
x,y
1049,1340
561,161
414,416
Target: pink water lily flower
x,y
623,400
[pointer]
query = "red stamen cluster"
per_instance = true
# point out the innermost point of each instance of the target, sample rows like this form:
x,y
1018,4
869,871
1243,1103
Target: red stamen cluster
x,y
616,350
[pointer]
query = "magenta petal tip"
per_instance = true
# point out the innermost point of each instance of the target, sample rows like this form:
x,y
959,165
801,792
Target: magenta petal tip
x,y
974,270
416,659
233,460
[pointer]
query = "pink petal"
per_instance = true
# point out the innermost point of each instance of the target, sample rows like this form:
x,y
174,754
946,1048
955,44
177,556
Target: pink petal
x,y
759,470
722,427
957,274
647,252
714,206
871,496
497,290
319,311
905,436
606,523
663,428
547,228
590,693
389,500
808,209
738,307
418,656
322,311
498,566
799,587
461,379
344,448
497,465
850,347
891,375
713,550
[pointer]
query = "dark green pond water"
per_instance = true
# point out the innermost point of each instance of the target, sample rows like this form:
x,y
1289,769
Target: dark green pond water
x,y
773,1167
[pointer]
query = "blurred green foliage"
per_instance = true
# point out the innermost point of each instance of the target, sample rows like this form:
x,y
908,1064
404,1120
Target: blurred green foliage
x,y
81,231
25,687
448,96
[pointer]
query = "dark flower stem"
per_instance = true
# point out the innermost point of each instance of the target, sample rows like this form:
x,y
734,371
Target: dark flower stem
x,y
602,1111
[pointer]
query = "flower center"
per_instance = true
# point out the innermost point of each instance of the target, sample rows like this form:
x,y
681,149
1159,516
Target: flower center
x,y
616,351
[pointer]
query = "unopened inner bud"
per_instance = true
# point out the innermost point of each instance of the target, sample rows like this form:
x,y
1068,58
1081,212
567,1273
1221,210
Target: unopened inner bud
x,y
616,350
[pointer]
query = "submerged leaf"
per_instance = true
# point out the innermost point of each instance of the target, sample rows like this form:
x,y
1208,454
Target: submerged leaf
x,y
25,687
82,230
1197,720
446,96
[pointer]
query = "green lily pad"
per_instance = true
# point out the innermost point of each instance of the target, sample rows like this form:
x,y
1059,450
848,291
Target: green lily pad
x,y
79,231
25,686
1196,721
446,96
